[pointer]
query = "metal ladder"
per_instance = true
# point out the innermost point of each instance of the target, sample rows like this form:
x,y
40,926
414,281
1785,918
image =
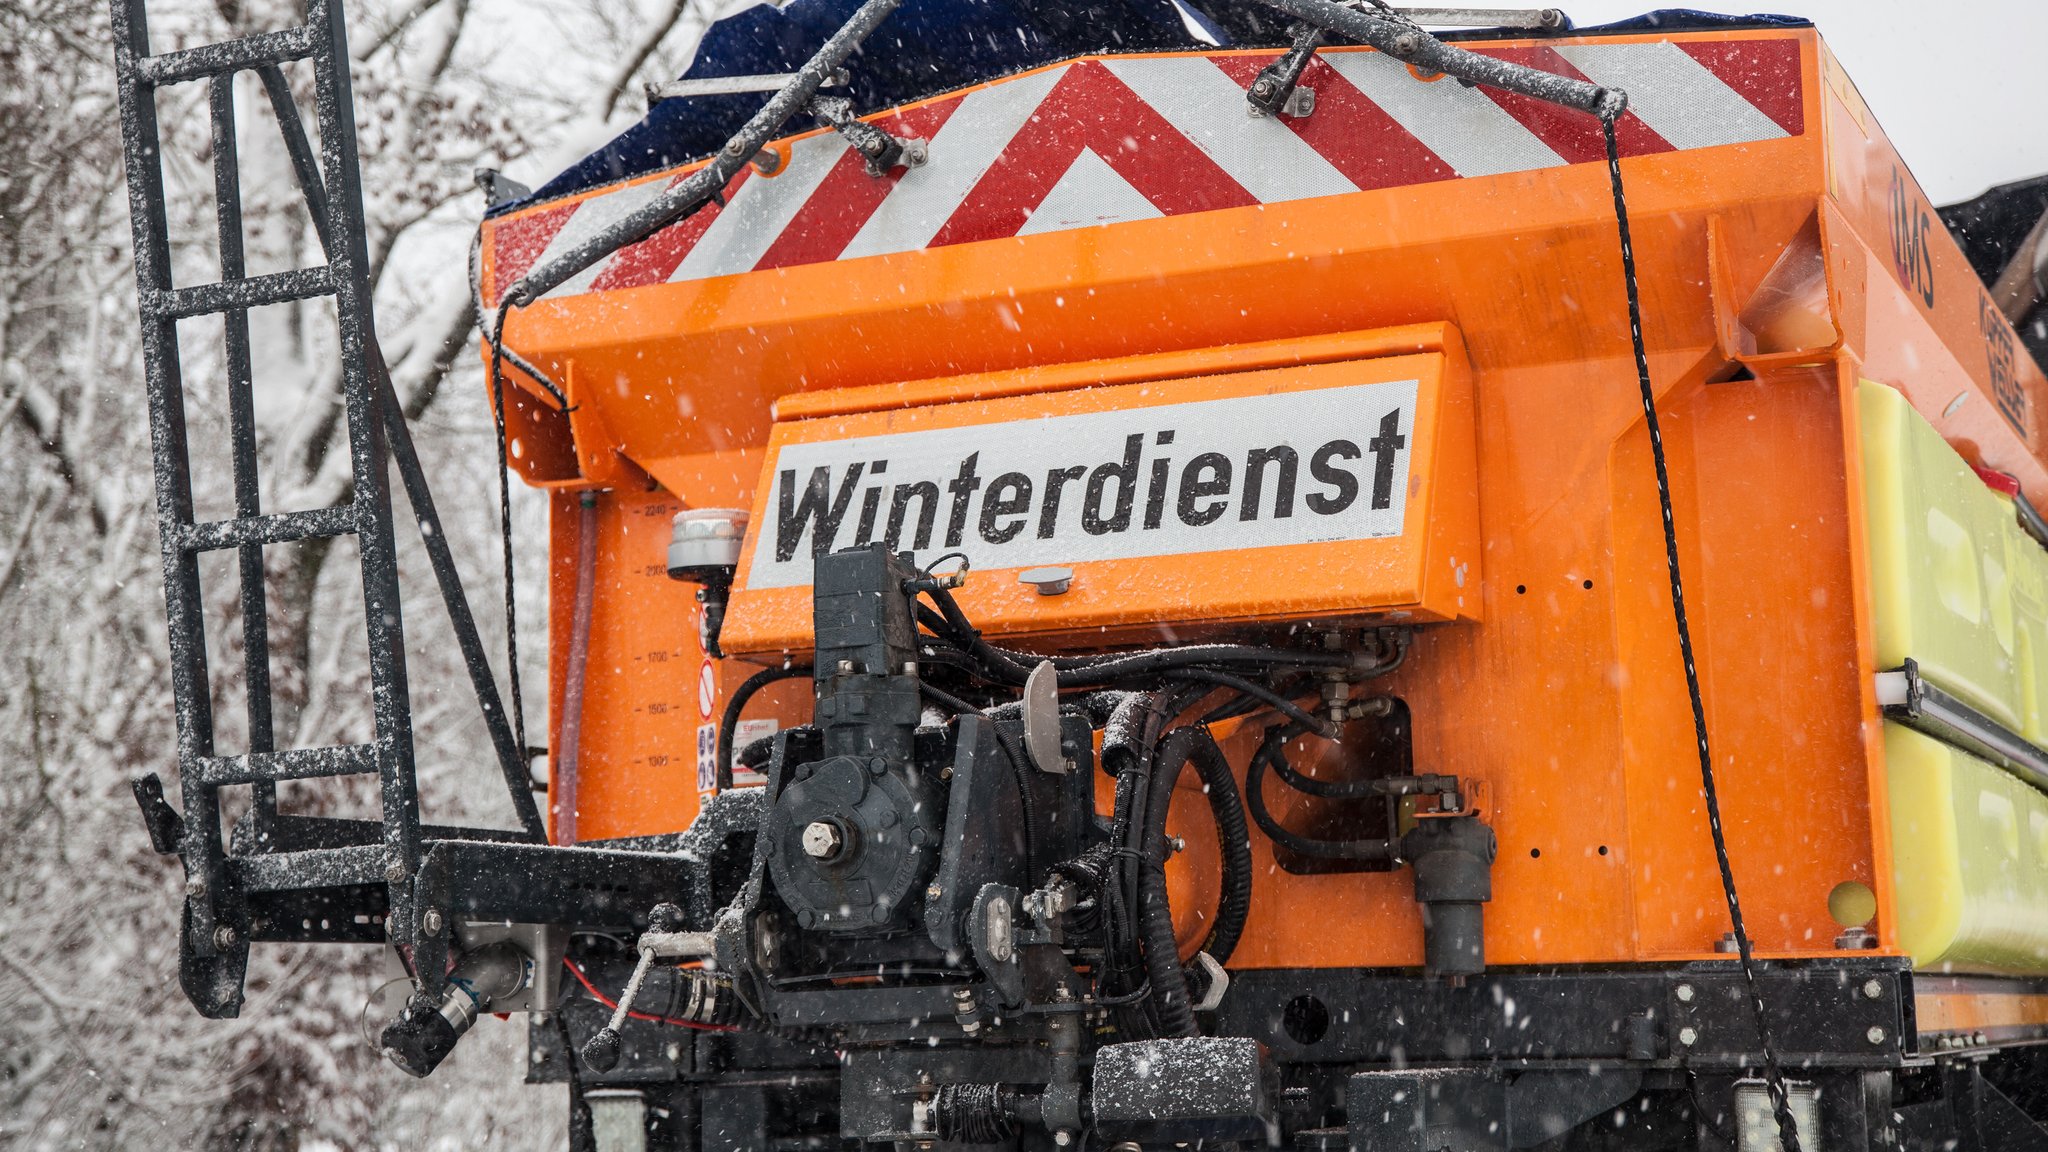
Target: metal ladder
x,y
284,877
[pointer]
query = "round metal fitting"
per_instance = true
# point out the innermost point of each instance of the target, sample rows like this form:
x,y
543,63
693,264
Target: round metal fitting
x,y
1872,990
1050,580
224,937
430,921
1688,1036
822,840
1684,993
1875,1035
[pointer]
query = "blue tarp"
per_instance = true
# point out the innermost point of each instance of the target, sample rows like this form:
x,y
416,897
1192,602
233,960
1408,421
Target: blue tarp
x,y
932,46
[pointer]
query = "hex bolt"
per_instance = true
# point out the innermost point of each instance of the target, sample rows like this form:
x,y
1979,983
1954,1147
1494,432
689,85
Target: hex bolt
x,y
821,840
1063,1138
1873,990
224,937
196,887
1875,1035
934,892
430,921
395,872
1688,1036
1684,993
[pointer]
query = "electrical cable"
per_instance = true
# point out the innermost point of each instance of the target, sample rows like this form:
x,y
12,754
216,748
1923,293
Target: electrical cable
x,y
1774,1077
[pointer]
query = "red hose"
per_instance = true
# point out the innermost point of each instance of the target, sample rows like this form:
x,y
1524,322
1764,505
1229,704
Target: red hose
x,y
608,1002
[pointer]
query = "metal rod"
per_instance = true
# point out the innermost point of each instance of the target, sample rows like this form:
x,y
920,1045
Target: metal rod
x,y
1485,17
697,189
733,85
1409,44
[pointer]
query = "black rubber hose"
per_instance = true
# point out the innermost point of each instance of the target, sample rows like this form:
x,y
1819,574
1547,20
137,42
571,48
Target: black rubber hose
x,y
730,722
1258,692
1193,744
1170,1001
1272,748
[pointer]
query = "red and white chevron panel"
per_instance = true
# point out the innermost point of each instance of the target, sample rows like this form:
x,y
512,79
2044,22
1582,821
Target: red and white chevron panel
x,y
1100,141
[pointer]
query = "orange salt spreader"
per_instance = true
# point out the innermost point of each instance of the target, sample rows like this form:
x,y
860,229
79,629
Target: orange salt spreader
x,y
1278,579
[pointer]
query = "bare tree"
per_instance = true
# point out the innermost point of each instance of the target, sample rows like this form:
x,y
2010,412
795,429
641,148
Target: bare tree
x,y
97,1046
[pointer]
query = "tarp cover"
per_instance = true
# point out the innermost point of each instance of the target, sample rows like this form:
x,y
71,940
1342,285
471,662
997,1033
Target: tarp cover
x,y
931,46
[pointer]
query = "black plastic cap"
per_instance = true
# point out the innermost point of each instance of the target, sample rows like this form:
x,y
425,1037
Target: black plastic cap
x,y
419,1040
601,1052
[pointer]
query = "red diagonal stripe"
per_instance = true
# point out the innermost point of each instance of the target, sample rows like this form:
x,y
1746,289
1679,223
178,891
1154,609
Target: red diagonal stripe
x,y
1091,108
654,259
847,196
1572,134
1360,140
1763,72
517,241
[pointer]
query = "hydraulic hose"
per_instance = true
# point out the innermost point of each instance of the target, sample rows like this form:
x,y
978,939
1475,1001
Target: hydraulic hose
x,y
1272,749
730,722
1193,744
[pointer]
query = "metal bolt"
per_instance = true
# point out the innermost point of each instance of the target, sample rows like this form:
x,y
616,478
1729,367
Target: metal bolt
x,y
1875,1035
1406,43
1688,1036
1263,88
822,840
196,887
430,921
934,892
1684,993
1873,990
395,872
1063,1138
224,937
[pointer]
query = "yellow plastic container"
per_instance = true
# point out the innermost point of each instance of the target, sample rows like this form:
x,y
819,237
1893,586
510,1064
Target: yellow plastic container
x,y
1940,554
1969,859
2027,563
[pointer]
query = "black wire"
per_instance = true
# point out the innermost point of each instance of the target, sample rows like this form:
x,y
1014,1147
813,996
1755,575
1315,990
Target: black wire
x,y
1272,750
729,722
505,532
1774,1077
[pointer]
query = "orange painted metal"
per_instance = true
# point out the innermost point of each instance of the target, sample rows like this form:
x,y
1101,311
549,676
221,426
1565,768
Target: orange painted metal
x,y
1560,695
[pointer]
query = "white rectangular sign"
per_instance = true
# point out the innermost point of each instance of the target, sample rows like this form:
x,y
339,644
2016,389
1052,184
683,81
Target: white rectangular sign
x,y
1205,476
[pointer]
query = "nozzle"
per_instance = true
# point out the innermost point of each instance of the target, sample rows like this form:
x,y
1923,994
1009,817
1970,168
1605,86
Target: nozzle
x,y
425,1032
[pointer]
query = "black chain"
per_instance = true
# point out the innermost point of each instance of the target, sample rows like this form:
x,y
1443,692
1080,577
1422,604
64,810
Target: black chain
x,y
1774,1076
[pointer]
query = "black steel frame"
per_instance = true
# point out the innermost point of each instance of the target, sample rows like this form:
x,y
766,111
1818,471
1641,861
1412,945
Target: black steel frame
x,y
280,867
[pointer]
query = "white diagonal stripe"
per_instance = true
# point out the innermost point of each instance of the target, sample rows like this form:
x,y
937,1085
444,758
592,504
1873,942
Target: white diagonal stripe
x,y
961,152
1674,94
1209,108
758,212
591,217
1470,132
1089,193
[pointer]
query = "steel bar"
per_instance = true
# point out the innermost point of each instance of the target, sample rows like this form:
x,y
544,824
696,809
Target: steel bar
x,y
511,757
313,868
254,292
290,764
293,129
1409,44
700,186
227,199
1909,698
227,56
274,528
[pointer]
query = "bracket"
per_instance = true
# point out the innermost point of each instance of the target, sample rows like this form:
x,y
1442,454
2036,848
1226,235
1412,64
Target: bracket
x,y
1275,91
882,150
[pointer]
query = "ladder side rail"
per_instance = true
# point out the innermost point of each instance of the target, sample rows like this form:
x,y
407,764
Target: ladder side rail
x,y
348,260
210,975
227,198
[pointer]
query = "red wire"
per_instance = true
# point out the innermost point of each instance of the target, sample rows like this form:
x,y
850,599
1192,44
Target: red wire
x,y
608,1002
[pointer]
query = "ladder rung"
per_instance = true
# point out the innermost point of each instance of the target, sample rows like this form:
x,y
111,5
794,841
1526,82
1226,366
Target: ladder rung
x,y
312,868
290,764
254,292
276,528
226,56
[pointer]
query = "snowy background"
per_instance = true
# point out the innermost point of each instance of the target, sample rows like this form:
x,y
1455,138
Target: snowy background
x,y
98,1048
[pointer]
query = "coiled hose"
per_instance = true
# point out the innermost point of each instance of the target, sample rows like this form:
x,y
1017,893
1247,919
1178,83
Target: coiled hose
x,y
1182,746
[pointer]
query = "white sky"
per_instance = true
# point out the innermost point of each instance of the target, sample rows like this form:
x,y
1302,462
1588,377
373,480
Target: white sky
x,y
1961,86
